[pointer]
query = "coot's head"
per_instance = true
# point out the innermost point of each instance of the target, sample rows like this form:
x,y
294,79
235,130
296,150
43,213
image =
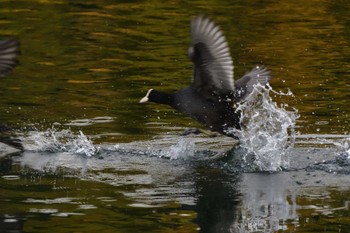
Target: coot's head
x,y
158,97
147,96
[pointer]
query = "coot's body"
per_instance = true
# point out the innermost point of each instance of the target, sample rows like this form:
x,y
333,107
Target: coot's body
x,y
212,114
211,97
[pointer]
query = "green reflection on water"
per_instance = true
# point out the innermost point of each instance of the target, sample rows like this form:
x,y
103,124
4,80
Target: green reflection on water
x,y
86,59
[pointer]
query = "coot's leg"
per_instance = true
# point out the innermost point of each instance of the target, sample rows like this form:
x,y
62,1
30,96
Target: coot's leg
x,y
197,131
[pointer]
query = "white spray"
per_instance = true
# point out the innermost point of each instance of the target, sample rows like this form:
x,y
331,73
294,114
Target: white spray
x,y
267,129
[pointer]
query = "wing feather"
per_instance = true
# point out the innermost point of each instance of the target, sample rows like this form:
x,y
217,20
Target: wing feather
x,y
245,85
210,54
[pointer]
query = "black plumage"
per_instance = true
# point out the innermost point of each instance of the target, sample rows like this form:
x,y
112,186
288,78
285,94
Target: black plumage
x,y
211,97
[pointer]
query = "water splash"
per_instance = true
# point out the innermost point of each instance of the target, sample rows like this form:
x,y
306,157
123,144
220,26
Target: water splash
x,y
55,141
183,149
267,129
344,147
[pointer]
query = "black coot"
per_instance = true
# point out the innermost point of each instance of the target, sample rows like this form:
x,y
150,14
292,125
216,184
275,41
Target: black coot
x,y
211,97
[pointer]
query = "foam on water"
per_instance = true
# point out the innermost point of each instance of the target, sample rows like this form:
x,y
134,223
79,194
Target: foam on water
x,y
267,129
55,141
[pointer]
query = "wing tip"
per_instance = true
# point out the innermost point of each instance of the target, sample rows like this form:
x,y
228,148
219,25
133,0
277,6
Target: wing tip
x,y
214,57
260,71
9,51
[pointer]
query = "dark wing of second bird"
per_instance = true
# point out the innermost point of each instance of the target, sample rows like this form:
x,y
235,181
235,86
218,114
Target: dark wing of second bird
x,y
9,50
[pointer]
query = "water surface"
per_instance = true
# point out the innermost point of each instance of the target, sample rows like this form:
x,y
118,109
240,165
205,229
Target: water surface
x,y
84,65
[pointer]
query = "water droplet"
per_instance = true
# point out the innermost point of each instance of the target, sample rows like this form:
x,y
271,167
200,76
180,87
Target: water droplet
x,y
267,129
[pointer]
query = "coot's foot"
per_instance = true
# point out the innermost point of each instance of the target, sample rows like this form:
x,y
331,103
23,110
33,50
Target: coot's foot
x,y
197,131
219,155
189,131
8,137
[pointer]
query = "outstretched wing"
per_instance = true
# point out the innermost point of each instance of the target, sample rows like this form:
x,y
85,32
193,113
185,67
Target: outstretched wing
x,y
9,50
210,54
245,85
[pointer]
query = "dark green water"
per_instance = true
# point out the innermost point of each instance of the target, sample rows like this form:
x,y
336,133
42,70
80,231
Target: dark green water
x,y
84,65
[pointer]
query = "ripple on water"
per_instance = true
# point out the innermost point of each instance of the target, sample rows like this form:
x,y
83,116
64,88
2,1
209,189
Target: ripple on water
x,y
11,177
43,211
87,207
67,214
61,200
92,121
